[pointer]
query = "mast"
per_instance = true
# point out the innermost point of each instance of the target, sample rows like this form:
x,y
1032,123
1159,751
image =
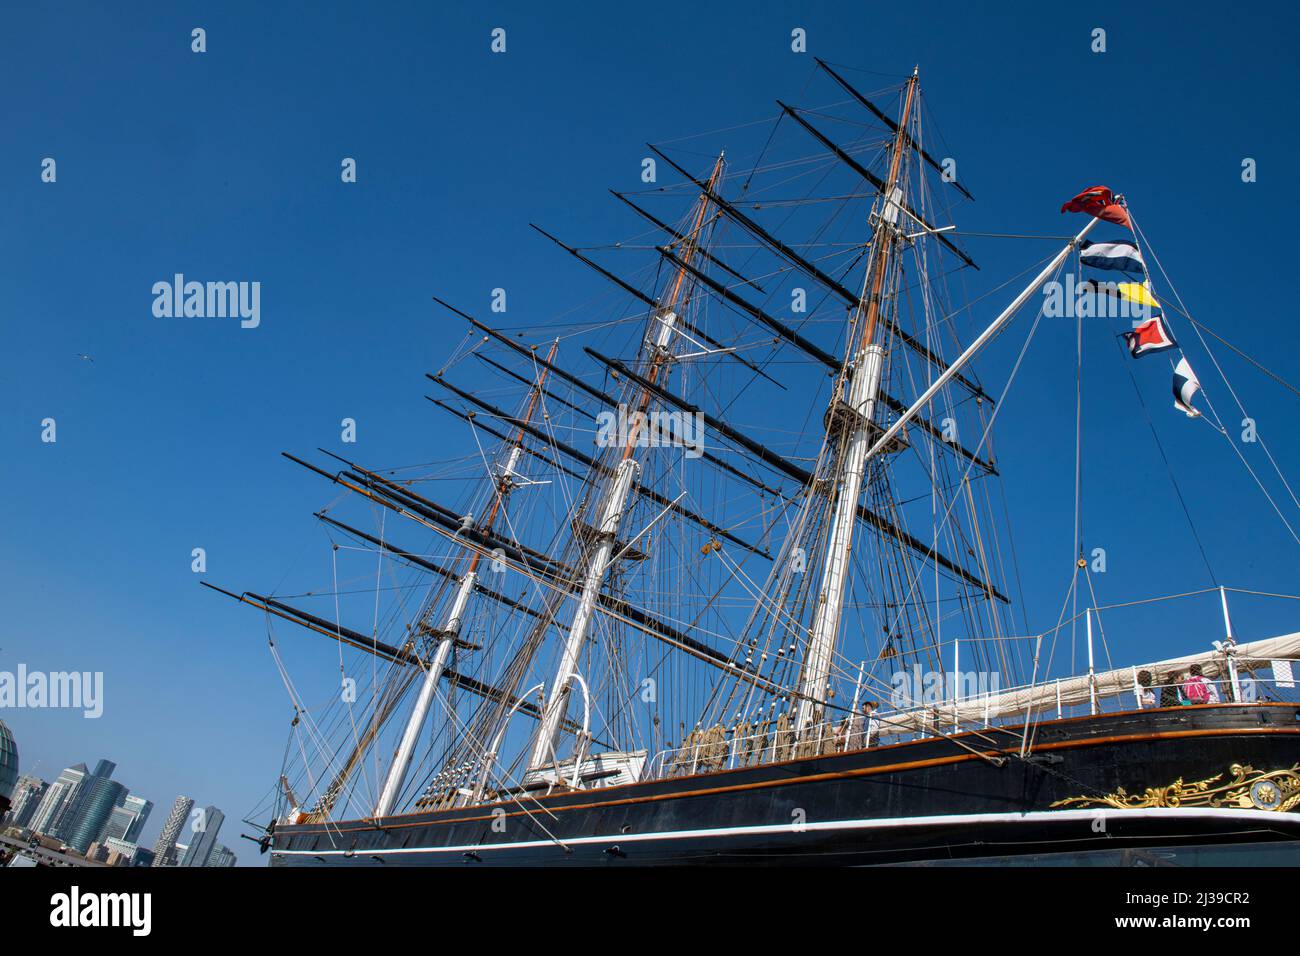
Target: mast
x,y
450,631
863,367
616,500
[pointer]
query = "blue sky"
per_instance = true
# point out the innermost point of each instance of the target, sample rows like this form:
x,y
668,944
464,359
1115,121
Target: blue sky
x,y
225,165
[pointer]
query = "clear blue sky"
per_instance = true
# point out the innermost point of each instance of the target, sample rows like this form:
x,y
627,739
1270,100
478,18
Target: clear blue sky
x,y
226,166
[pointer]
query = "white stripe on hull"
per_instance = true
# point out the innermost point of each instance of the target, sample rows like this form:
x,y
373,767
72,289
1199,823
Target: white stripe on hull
x,y
1186,813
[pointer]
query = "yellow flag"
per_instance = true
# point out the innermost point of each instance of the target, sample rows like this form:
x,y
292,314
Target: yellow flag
x,y
1129,292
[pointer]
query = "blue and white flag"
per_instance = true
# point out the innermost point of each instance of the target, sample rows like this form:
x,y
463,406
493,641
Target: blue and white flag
x,y
1186,385
1114,256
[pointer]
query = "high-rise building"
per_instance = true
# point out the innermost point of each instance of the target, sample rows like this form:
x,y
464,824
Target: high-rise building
x,y
26,800
222,855
8,767
204,840
141,808
61,793
164,849
98,795
118,822
126,821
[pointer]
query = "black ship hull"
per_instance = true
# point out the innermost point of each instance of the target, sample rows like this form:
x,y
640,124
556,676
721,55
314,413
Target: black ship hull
x,y
1170,777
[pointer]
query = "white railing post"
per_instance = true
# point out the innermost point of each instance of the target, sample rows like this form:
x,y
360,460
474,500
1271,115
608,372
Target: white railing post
x,y
956,681
1092,677
1230,646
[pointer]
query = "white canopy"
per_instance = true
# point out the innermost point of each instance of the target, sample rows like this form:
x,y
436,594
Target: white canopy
x,y
1075,690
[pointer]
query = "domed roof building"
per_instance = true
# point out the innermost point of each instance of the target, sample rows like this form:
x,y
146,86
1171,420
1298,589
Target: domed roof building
x,y
8,767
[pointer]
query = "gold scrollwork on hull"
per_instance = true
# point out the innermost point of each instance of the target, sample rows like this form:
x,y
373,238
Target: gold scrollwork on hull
x,y
1248,789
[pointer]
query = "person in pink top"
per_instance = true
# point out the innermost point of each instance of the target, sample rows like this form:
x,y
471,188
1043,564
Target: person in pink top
x,y
1198,690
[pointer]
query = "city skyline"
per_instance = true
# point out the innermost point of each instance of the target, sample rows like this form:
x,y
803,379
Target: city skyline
x,y
86,808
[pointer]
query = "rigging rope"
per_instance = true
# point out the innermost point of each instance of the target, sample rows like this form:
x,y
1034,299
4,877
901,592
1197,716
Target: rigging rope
x,y
1218,422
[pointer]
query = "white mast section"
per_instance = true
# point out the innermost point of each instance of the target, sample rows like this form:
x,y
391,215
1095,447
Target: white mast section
x,y
558,704
441,657
866,359
826,621
830,603
657,348
1227,621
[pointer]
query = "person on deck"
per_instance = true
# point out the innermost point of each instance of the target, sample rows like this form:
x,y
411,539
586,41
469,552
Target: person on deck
x,y
873,726
1170,695
1146,696
1198,690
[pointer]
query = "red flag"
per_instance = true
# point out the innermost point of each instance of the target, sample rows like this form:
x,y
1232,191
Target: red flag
x,y
1100,202
1151,336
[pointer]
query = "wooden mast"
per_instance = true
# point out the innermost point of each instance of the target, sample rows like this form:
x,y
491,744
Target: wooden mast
x,y
863,365
450,631
617,495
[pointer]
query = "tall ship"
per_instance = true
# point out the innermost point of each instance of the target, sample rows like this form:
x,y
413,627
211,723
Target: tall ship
x,y
719,569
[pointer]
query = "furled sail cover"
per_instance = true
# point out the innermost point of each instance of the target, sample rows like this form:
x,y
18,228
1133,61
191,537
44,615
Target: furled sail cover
x,y
1257,655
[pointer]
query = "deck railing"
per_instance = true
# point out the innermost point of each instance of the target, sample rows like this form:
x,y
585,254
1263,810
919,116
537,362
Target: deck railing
x,y
757,742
